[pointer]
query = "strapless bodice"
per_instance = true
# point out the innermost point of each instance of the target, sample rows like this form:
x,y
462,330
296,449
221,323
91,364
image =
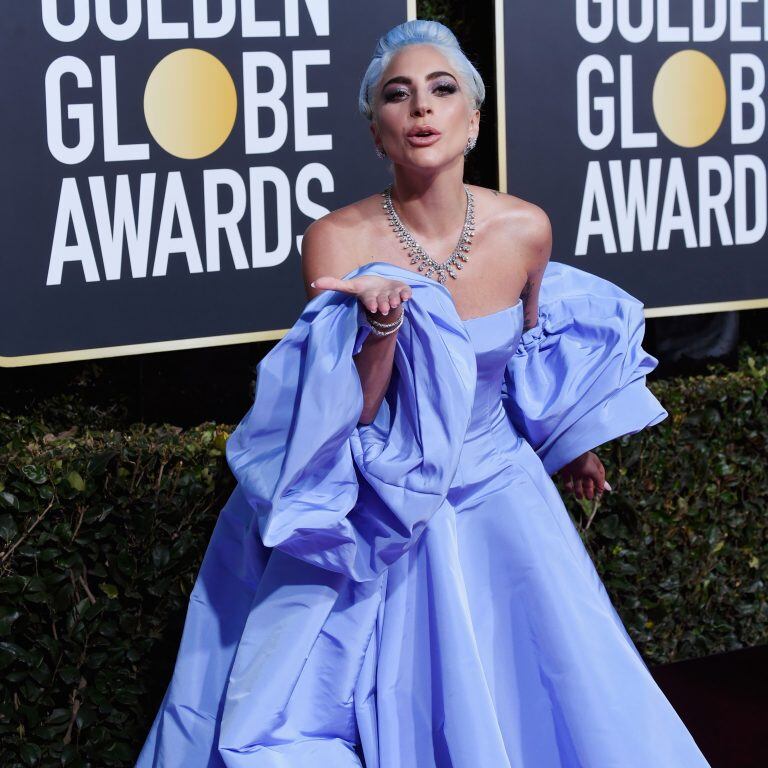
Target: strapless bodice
x,y
490,440
494,338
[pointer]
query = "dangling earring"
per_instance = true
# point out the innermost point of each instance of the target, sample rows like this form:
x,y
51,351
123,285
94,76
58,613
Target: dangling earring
x,y
380,153
471,141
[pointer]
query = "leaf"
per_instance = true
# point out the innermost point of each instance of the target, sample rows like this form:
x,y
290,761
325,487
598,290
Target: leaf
x,y
13,650
98,464
120,751
7,617
8,528
160,556
9,500
36,474
85,717
609,526
110,590
12,585
30,753
220,442
76,481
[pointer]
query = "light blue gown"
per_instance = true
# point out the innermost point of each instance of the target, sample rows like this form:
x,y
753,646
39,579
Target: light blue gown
x,y
414,589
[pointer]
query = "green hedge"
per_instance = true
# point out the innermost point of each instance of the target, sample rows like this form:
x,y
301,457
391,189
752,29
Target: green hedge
x,y
102,532
682,542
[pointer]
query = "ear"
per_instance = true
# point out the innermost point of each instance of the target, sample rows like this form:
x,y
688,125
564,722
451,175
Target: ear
x,y
374,132
474,123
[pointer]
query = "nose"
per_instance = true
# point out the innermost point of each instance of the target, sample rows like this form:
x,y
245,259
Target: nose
x,y
420,105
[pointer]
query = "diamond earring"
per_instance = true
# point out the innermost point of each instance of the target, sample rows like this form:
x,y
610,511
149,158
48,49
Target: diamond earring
x,y
380,153
471,141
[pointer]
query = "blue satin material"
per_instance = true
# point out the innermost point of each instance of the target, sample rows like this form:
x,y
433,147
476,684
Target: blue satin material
x,y
414,588
578,377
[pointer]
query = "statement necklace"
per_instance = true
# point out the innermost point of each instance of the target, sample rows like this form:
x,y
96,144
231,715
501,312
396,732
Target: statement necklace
x,y
417,253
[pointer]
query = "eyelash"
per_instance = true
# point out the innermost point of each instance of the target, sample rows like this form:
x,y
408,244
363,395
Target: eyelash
x,y
447,88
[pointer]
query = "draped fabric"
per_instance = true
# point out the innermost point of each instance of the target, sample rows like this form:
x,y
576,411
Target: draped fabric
x,y
353,498
413,590
577,379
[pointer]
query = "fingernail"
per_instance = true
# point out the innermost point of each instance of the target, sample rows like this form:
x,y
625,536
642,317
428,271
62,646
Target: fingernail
x,y
312,283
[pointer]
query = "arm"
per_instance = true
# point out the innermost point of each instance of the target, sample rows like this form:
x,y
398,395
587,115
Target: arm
x,y
585,475
537,234
374,366
323,253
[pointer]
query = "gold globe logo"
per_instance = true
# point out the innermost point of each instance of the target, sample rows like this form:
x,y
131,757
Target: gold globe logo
x,y
190,103
689,98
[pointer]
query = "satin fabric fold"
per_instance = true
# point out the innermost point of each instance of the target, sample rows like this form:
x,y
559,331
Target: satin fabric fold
x,y
413,589
285,602
347,497
578,377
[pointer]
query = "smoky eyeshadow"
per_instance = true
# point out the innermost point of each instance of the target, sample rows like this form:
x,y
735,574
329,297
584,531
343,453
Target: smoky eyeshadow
x,y
448,86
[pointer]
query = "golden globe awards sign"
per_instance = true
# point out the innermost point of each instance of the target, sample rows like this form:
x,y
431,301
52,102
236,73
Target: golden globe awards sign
x,y
163,158
640,127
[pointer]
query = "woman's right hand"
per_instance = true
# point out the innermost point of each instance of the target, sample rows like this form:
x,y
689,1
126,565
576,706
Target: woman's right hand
x,y
377,294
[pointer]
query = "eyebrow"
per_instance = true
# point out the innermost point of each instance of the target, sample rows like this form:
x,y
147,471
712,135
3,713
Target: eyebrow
x,y
408,81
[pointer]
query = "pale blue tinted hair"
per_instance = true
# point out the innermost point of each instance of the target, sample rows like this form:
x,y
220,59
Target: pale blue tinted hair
x,y
415,32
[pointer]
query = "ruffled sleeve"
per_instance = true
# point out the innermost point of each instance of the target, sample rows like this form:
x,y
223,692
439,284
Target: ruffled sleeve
x,y
578,377
349,497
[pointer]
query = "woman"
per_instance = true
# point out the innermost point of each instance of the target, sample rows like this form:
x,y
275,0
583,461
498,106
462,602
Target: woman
x,y
395,579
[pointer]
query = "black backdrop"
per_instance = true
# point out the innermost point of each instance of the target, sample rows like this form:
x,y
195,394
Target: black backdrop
x,y
188,387
548,157
41,316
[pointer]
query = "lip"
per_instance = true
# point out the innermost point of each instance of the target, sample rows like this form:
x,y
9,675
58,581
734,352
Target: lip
x,y
421,128
422,141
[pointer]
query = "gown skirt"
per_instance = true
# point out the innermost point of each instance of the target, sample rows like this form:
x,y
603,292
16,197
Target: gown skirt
x,y
412,593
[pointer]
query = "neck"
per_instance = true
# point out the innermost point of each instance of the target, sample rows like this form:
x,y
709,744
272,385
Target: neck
x,y
430,204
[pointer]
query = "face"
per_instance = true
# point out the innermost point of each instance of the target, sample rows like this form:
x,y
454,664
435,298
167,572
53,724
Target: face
x,y
420,89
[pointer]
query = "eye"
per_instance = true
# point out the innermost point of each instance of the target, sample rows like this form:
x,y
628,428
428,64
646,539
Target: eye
x,y
395,94
445,88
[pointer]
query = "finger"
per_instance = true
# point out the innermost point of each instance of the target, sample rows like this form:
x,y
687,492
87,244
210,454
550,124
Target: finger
x,y
588,486
577,488
394,299
383,302
328,283
402,295
371,304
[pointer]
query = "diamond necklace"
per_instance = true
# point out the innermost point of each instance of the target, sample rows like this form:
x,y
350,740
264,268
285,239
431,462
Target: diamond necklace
x,y
417,253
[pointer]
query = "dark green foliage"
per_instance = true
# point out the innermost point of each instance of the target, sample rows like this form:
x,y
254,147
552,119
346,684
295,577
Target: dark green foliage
x,y
101,536
682,543
102,533
457,16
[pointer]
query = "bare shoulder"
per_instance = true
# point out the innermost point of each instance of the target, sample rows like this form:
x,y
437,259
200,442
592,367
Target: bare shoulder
x,y
331,244
519,241
518,224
